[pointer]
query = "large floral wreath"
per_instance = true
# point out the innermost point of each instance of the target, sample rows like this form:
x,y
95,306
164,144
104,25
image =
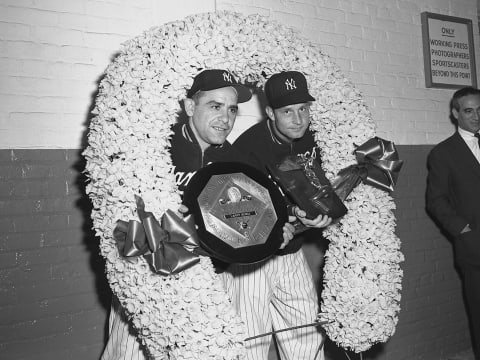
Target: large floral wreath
x,y
189,315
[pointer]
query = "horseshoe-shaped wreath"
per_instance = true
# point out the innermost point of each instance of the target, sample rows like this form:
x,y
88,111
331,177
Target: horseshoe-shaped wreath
x,y
189,314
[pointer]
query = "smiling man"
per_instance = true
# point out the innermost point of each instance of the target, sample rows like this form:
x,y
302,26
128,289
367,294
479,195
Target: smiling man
x,y
279,292
453,196
211,107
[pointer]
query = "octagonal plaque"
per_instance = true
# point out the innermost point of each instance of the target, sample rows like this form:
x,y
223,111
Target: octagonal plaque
x,y
239,212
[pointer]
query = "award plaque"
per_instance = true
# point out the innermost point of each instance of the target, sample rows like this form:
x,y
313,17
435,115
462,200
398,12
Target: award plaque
x,y
239,212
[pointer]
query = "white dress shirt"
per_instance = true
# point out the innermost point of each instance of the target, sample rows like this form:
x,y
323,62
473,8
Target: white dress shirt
x,y
471,141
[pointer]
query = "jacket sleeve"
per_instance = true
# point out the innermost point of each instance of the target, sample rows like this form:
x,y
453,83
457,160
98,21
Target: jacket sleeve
x,y
440,195
245,146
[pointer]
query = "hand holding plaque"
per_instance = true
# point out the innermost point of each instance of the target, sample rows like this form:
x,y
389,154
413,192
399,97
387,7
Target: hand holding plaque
x,y
239,212
304,182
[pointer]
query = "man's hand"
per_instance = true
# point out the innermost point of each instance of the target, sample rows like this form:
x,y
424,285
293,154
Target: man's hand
x,y
183,210
466,229
288,230
319,222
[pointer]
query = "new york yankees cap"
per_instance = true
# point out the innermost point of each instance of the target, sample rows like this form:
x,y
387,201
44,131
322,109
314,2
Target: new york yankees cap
x,y
287,88
215,79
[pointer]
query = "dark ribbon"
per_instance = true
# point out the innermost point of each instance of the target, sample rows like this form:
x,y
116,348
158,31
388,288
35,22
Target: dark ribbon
x,y
169,248
378,166
380,159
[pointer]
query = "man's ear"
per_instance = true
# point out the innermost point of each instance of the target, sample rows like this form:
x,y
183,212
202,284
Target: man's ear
x,y
455,113
270,113
189,105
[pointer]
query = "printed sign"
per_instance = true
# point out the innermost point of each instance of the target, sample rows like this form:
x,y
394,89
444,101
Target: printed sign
x,y
448,51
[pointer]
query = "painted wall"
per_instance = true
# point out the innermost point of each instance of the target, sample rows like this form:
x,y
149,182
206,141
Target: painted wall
x,y
378,45
54,299
53,54
53,295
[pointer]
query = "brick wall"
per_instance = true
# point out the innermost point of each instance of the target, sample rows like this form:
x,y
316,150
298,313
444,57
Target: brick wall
x,y
53,54
432,323
378,46
53,295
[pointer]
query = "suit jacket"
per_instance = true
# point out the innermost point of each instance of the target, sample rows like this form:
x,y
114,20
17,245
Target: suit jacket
x,y
453,195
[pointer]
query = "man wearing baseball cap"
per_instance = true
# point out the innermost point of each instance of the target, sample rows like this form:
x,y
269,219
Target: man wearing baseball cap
x,y
211,107
282,286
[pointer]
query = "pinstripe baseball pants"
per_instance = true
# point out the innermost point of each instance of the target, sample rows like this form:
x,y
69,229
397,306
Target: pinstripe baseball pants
x,y
278,293
123,343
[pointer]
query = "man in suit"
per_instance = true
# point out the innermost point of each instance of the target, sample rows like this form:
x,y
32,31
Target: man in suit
x,y
453,197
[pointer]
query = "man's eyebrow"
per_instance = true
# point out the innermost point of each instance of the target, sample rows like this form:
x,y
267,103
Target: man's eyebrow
x,y
214,102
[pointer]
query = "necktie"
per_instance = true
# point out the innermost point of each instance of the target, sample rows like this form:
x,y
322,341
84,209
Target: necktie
x,y
477,135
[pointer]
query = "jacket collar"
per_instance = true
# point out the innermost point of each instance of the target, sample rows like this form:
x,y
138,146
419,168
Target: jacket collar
x,y
189,135
274,137
464,152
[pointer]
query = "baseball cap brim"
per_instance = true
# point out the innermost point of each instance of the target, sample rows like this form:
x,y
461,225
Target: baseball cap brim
x,y
212,79
291,99
243,93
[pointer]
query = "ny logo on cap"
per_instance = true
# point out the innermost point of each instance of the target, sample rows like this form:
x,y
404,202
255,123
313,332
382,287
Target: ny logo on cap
x,y
290,84
227,77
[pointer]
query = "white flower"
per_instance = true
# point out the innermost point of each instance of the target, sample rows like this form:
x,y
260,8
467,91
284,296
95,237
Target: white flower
x,y
189,315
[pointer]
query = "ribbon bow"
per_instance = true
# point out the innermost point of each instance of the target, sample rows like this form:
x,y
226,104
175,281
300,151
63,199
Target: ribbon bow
x,y
378,166
169,248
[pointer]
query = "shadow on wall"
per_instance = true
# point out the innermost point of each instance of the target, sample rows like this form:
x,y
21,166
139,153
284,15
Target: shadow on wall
x,y
97,262
91,242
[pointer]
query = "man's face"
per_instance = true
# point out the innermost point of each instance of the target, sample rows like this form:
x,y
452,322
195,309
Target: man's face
x,y
212,115
468,113
290,122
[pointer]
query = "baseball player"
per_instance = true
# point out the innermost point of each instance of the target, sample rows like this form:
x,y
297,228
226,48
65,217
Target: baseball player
x,y
279,293
211,107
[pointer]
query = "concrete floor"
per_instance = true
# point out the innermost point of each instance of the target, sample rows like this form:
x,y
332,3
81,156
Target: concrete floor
x,y
466,355
333,353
